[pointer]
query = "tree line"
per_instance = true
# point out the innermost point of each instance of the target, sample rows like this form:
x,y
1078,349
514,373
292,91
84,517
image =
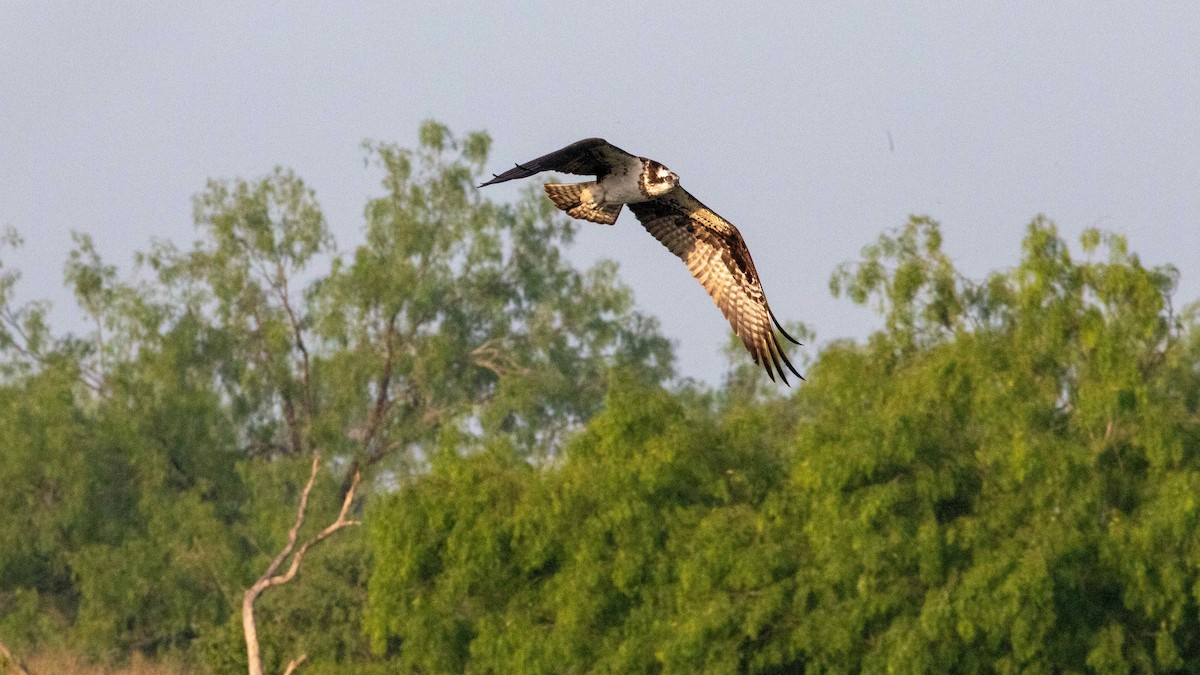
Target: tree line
x,y
448,449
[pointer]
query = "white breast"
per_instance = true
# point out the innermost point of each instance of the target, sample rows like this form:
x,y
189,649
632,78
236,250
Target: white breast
x,y
624,185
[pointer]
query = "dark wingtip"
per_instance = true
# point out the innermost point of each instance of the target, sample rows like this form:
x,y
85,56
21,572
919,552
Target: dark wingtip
x,y
793,369
781,330
790,366
766,366
774,352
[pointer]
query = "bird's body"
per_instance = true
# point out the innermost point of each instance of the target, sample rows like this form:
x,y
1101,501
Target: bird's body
x,y
623,185
710,246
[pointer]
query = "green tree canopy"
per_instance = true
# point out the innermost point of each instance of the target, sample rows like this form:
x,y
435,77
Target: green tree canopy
x,y
1003,478
157,456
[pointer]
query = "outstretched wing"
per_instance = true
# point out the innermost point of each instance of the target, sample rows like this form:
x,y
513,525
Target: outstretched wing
x,y
717,256
589,157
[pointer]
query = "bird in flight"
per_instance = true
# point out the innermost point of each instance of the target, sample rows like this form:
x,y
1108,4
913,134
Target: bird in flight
x,y
710,246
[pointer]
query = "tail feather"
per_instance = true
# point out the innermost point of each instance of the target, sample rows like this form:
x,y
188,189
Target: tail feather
x,y
577,200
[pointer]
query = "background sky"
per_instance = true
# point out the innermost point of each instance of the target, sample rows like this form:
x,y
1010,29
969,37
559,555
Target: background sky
x,y
776,115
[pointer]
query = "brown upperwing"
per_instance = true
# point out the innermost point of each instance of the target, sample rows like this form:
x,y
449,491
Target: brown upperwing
x,y
715,253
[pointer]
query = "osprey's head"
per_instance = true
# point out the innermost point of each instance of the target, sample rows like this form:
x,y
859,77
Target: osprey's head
x,y
658,179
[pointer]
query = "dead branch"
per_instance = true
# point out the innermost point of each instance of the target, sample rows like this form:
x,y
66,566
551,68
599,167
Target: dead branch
x,y
7,658
270,578
294,663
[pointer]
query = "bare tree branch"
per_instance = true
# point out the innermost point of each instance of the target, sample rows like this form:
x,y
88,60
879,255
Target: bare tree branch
x,y
301,510
7,658
269,578
294,663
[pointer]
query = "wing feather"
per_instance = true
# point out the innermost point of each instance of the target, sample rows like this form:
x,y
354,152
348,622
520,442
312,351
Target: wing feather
x,y
716,255
589,157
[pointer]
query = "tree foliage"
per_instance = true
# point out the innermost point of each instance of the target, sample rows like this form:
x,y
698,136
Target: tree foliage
x,y
1002,478
159,454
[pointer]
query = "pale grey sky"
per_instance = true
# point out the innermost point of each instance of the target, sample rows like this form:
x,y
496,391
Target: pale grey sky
x,y
777,115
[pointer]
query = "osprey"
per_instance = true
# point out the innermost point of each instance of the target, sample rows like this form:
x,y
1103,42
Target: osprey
x,y
711,246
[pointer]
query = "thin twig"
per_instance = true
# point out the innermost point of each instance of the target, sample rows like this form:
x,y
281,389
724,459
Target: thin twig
x,y
281,288
294,663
